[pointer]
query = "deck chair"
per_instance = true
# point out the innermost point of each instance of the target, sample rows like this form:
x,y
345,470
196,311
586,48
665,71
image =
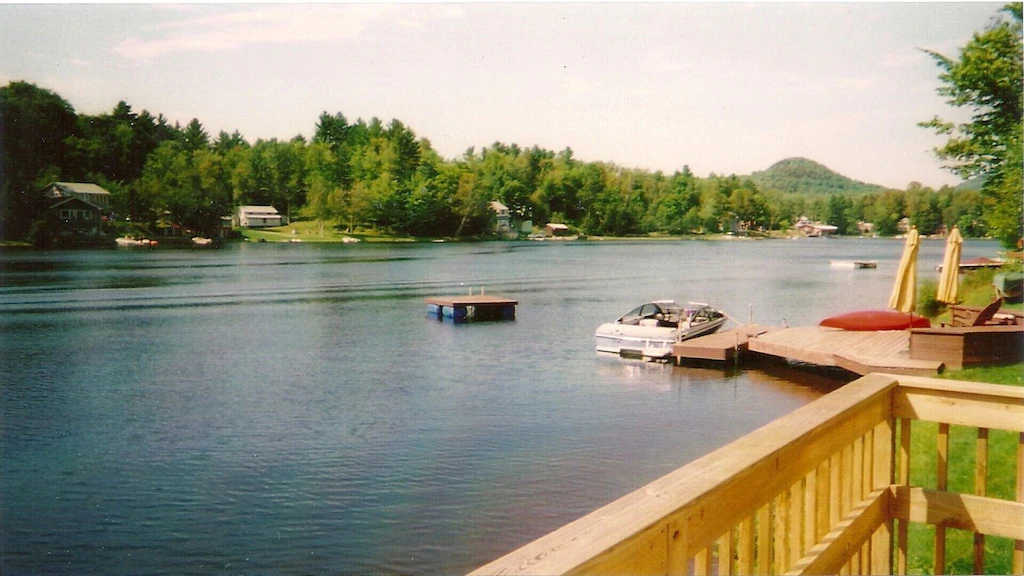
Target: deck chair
x,y
963,316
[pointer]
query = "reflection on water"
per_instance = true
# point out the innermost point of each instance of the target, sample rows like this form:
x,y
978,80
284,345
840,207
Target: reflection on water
x,y
281,409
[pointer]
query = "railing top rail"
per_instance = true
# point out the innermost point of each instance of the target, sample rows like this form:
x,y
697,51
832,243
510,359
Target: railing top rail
x,y
1000,391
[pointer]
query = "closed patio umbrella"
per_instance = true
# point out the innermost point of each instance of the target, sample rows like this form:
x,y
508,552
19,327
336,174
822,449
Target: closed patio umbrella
x,y
904,292
949,285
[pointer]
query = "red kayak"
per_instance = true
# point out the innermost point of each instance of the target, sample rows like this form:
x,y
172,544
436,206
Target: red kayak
x,y
871,320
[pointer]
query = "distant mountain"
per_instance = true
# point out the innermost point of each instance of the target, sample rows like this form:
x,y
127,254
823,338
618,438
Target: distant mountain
x,y
974,184
804,176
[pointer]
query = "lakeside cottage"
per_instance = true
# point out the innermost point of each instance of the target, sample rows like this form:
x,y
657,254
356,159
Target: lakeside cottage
x,y
814,229
556,230
75,209
502,218
258,217
92,193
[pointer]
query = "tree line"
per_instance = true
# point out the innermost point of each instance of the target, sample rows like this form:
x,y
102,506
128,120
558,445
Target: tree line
x,y
371,175
367,174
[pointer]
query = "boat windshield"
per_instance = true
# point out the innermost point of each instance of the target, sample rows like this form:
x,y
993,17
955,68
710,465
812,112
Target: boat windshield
x,y
666,313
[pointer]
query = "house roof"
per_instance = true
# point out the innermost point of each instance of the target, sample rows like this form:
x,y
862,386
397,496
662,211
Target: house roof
x,y
263,209
74,200
79,188
498,206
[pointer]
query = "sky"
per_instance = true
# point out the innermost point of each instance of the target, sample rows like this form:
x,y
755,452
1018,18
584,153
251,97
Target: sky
x,y
724,88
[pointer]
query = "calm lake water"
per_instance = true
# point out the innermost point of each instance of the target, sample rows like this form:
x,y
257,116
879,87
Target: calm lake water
x,y
289,409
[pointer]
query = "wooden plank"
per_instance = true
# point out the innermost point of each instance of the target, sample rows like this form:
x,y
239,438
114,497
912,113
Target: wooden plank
x,y
979,514
859,364
781,538
980,489
941,475
834,552
720,346
817,345
963,408
745,553
884,474
764,539
823,478
1018,546
796,516
903,535
726,559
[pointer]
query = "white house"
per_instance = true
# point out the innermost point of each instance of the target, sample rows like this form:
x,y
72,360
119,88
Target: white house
x,y
814,229
258,217
503,220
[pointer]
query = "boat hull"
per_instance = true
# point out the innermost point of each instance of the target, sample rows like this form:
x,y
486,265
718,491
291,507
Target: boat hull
x,y
875,320
648,341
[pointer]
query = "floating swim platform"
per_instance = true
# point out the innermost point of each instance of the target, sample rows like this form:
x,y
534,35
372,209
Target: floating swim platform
x,y
471,308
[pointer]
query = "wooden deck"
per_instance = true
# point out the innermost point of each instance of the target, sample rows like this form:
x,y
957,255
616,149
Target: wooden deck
x,y
720,346
858,352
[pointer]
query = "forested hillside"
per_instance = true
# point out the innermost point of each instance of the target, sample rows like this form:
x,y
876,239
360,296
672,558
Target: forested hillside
x,y
368,174
804,176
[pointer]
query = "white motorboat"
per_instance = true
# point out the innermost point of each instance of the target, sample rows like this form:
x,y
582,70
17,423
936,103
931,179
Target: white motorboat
x,y
130,241
651,329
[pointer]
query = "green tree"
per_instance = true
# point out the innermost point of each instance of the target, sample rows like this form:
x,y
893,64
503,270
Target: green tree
x,y
839,213
987,79
194,137
34,123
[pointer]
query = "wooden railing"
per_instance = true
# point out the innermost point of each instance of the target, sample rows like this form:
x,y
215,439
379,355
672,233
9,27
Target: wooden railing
x,y
824,490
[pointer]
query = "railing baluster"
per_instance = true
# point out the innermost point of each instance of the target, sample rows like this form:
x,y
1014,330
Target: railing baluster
x,y
1018,547
726,560
856,493
781,538
745,552
821,522
902,538
883,474
980,489
942,472
796,515
702,562
764,540
810,511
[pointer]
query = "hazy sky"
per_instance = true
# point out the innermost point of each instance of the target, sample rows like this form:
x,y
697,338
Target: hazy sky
x,y
724,88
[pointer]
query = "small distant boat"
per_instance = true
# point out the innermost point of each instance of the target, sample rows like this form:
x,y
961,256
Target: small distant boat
x,y
650,330
200,241
875,320
349,240
853,264
131,241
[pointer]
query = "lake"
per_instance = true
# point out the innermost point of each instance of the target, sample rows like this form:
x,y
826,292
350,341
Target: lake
x,y
289,408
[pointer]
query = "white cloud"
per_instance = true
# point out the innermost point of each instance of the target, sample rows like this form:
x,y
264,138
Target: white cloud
x,y
658,61
271,25
902,61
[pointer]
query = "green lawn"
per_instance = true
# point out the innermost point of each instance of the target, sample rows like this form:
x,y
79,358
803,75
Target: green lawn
x,y
312,231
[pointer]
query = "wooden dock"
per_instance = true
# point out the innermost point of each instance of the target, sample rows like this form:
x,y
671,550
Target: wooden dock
x,y
858,352
721,346
471,308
